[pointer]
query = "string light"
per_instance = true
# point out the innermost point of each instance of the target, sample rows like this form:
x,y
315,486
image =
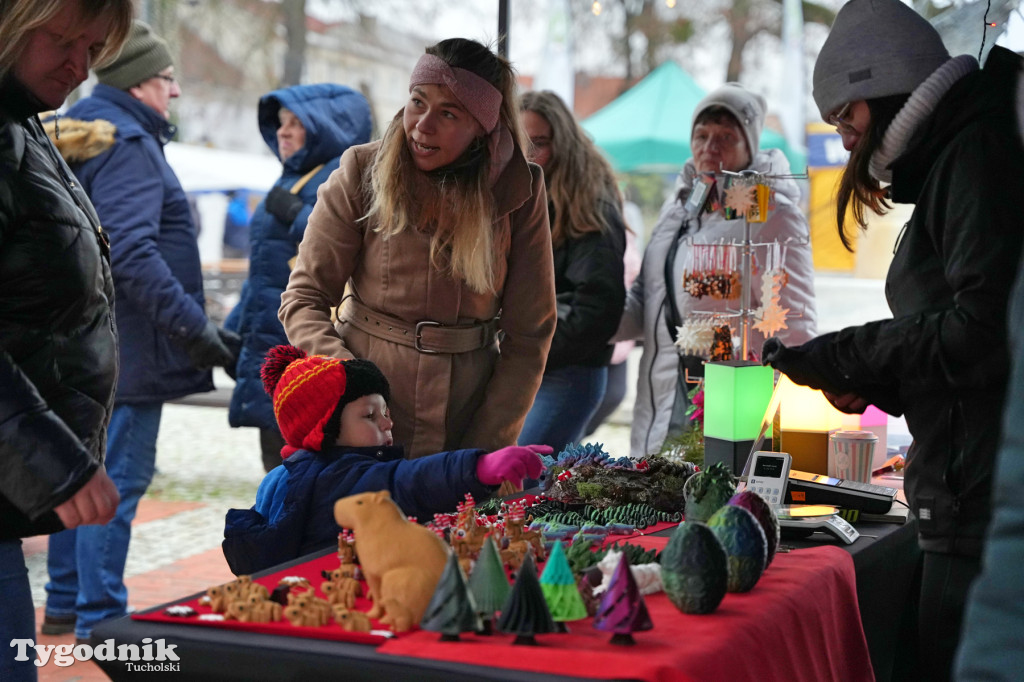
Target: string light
x,y
984,28
596,8
670,4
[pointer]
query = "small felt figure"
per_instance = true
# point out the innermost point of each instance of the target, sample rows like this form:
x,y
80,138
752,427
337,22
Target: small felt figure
x,y
346,547
305,608
351,621
253,611
401,561
180,611
216,598
341,589
622,610
647,576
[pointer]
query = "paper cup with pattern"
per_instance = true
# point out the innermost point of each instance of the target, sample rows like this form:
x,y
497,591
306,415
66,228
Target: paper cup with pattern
x,y
850,454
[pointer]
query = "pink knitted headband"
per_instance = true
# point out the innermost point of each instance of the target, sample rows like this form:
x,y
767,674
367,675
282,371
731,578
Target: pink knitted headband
x,y
481,99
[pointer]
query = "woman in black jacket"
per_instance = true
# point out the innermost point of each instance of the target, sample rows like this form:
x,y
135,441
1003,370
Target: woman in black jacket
x,y
58,348
939,133
589,238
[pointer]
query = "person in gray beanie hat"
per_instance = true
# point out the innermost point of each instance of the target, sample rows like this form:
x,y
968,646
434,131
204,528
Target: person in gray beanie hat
x,y
940,134
876,48
725,138
747,108
143,56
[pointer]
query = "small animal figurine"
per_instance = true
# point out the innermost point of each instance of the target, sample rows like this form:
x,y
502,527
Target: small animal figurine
x,y
341,589
401,561
352,621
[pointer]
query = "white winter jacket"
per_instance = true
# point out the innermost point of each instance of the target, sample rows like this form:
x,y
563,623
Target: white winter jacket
x,y
646,303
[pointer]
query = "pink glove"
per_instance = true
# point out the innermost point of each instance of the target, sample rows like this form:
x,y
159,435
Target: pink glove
x,y
513,463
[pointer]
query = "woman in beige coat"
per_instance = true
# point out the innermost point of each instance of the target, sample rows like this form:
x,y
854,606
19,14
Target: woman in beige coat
x,y
437,239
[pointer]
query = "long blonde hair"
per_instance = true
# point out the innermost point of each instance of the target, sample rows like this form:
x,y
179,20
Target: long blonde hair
x,y
20,17
578,177
463,207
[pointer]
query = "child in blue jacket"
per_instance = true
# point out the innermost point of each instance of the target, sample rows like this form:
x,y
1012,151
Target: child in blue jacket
x,y
334,417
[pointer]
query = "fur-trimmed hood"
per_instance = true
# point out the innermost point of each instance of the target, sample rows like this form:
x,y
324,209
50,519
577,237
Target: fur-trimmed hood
x,y
80,140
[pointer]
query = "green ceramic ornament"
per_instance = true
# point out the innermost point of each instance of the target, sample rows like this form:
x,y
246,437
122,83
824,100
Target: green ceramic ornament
x,y
694,570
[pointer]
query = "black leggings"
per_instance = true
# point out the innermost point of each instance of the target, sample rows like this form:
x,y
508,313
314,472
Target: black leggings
x,y
945,580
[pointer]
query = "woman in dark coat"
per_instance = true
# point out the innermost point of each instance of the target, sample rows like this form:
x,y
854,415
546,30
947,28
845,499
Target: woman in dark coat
x,y
307,127
588,237
58,347
944,134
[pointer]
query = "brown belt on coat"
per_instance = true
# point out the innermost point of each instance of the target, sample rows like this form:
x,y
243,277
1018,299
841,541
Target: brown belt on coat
x,y
426,336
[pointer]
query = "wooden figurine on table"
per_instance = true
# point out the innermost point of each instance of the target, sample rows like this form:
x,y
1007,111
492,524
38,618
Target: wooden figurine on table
x,y
489,584
451,609
622,610
526,614
401,561
518,541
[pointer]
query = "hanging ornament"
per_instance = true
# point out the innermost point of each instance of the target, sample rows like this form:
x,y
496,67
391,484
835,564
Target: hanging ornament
x,y
739,197
758,212
721,346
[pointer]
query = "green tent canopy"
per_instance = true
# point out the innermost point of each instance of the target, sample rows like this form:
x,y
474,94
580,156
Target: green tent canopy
x,y
647,128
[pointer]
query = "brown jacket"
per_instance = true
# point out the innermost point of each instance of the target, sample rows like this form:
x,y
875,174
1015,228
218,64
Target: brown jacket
x,y
438,402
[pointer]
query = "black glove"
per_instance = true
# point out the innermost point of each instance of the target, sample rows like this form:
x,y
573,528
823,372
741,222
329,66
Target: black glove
x,y
214,347
283,205
813,364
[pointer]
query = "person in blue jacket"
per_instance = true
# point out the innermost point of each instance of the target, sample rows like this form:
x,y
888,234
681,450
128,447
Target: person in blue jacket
x,y
307,127
334,417
114,143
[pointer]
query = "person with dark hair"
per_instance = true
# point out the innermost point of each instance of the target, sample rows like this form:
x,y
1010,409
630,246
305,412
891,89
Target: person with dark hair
x,y
934,131
307,127
428,235
725,136
58,346
168,346
588,237
334,417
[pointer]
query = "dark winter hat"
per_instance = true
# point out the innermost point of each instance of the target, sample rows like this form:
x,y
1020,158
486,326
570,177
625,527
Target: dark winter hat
x,y
143,56
876,48
307,389
748,108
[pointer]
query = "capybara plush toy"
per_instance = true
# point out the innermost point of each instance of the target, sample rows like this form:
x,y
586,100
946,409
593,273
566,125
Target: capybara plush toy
x,y
401,561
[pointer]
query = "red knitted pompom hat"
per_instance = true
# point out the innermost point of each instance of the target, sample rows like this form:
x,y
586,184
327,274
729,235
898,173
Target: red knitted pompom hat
x,y
307,389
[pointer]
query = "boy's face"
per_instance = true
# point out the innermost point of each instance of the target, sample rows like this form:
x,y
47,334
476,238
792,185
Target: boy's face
x,y
365,422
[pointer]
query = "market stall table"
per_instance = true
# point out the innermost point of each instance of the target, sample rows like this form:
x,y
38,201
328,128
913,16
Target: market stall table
x,y
799,622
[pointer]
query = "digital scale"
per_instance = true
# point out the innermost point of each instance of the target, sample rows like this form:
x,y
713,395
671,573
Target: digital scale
x,y
801,520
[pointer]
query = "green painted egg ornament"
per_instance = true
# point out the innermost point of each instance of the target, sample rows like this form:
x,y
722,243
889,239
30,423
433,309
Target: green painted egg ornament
x,y
707,491
745,546
694,569
765,515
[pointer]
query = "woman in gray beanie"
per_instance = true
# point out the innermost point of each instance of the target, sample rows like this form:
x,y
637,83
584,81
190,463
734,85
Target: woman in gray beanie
x,y
939,133
725,135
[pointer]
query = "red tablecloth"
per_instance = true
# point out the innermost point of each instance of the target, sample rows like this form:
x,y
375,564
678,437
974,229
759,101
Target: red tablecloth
x,y
800,622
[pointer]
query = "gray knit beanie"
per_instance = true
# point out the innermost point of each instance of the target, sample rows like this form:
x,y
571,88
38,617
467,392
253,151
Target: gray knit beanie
x,y
747,107
143,56
876,48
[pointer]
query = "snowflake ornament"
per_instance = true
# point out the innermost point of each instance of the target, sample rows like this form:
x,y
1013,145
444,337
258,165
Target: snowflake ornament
x,y
773,320
740,198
